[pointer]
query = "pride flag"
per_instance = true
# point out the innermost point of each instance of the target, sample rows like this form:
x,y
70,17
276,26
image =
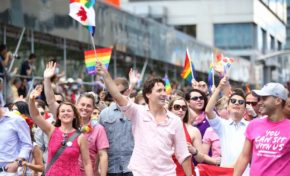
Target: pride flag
x,y
83,11
103,55
90,61
188,72
167,84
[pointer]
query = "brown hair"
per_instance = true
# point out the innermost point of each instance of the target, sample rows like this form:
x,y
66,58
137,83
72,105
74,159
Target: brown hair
x,y
148,86
76,121
170,105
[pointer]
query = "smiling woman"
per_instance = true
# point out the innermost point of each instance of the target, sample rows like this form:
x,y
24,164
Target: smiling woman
x,y
66,143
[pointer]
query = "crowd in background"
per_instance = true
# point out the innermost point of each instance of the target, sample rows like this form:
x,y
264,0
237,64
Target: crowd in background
x,y
117,129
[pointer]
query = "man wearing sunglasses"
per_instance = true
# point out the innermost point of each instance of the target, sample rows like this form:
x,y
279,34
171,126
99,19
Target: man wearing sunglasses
x,y
267,144
231,132
158,133
252,106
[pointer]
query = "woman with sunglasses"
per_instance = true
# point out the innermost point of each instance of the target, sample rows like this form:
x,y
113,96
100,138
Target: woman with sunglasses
x,y
197,101
67,123
179,107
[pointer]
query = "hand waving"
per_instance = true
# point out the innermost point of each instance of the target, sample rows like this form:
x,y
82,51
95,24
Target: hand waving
x,y
35,92
134,77
49,70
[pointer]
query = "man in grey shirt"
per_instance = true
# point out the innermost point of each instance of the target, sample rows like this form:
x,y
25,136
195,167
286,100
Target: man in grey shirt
x,y
119,132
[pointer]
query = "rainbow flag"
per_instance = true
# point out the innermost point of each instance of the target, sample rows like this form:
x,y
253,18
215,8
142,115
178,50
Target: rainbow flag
x,y
210,77
104,56
188,72
90,62
167,84
83,11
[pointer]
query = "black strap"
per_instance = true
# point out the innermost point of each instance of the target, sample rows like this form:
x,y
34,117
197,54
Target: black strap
x,y
60,150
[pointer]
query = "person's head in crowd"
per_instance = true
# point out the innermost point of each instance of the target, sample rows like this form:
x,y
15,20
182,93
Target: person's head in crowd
x,y
17,82
179,107
9,106
177,92
286,109
253,101
203,87
237,104
58,97
197,100
67,113
221,107
273,97
154,92
102,94
3,49
21,107
122,84
85,106
31,58
96,112
139,99
41,106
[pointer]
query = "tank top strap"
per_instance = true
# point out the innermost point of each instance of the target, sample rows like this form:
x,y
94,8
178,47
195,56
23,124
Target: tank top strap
x,y
187,136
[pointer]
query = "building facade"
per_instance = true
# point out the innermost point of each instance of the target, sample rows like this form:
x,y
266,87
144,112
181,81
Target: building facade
x,y
247,28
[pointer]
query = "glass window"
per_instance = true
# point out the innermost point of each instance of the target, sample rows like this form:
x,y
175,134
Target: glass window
x,y
235,36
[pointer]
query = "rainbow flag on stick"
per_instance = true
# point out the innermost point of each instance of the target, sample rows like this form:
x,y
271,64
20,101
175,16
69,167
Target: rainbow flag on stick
x,y
103,55
167,85
188,72
90,61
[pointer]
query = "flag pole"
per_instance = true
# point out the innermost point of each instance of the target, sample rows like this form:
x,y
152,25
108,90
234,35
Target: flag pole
x,y
187,53
93,42
212,62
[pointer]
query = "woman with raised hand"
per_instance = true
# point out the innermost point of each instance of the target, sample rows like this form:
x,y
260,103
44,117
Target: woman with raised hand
x,y
63,135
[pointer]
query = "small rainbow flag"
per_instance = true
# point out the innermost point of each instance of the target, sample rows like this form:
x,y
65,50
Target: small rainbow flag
x,y
167,84
90,61
103,55
188,72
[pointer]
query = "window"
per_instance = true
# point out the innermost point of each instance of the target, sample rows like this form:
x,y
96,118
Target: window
x,y
235,36
188,29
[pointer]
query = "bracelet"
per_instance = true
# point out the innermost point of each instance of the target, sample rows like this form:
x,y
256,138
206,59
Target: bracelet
x,y
196,152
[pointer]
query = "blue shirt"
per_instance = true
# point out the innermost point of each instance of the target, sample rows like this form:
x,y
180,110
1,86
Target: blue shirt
x,y
15,140
119,132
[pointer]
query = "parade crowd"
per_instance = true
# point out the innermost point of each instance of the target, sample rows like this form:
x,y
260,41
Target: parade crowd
x,y
56,128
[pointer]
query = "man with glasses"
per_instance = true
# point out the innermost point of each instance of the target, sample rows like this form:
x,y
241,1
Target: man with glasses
x,y
267,144
231,132
252,106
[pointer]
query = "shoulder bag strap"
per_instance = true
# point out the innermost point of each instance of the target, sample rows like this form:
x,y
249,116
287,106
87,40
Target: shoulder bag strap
x,y
60,150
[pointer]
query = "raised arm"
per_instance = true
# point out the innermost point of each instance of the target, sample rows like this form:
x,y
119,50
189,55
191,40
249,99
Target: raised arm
x,y
209,110
120,99
48,73
36,117
134,77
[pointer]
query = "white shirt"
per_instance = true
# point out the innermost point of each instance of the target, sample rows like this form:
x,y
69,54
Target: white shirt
x,y
232,137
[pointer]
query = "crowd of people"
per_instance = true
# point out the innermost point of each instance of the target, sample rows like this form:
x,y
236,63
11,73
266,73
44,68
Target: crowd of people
x,y
117,130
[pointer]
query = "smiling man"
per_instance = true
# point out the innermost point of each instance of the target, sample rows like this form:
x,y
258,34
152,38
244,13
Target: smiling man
x,y
231,132
267,144
158,134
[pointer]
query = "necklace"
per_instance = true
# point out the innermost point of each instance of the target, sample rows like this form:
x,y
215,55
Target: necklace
x,y
90,126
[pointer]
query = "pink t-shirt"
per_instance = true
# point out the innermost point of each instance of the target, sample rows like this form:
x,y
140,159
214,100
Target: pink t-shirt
x,y
155,143
210,137
97,140
271,147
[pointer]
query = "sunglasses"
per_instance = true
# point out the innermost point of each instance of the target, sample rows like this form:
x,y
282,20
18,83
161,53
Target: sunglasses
x,y
64,139
254,103
195,98
240,102
177,107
